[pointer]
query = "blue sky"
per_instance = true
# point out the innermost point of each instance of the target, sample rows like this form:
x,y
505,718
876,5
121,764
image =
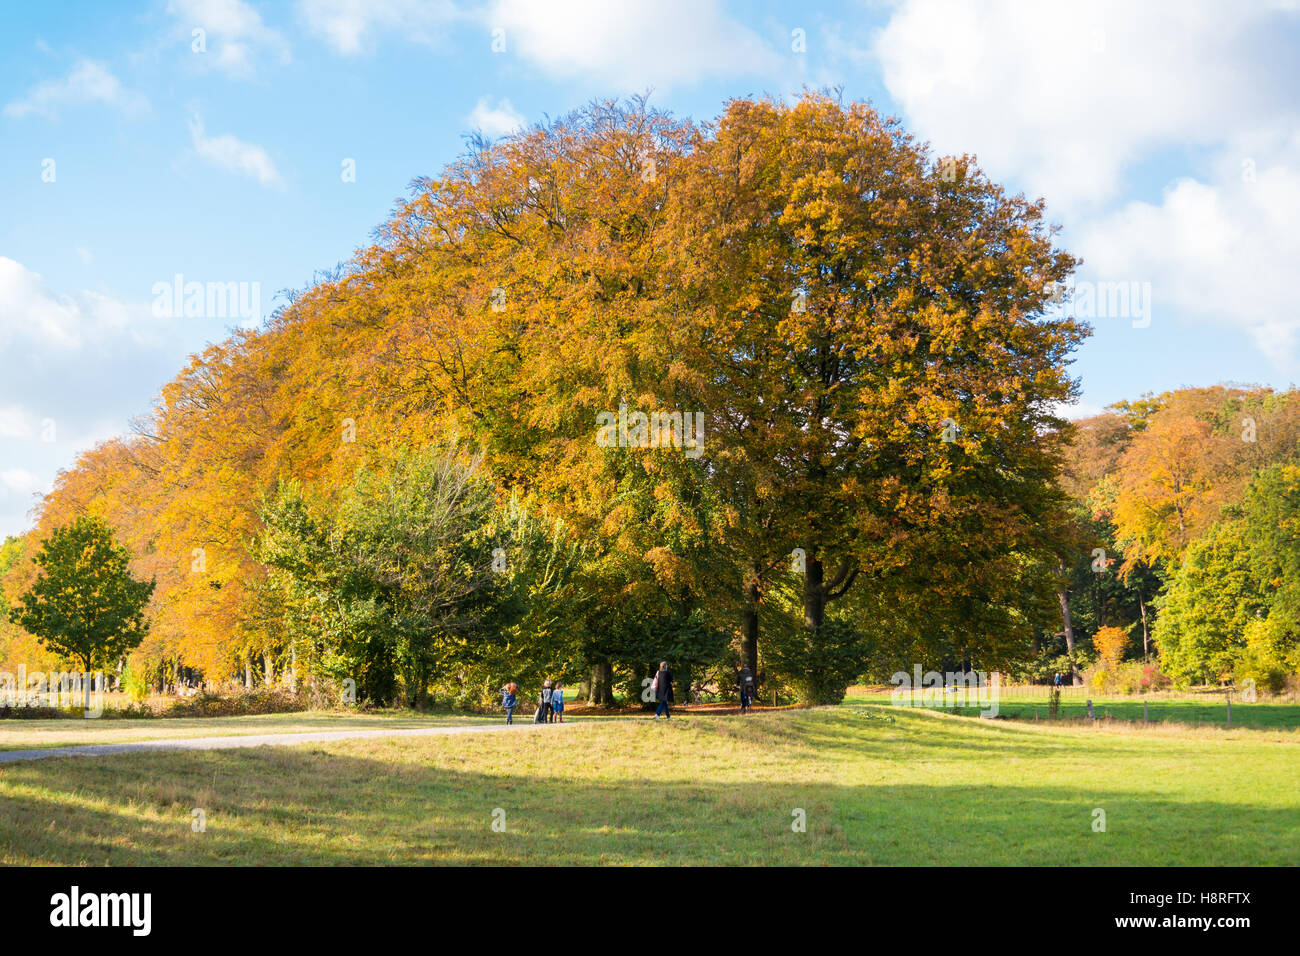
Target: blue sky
x,y
209,139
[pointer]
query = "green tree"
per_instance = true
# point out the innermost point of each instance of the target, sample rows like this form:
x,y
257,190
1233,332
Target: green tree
x,y
1212,594
84,604
819,665
1271,513
394,581
1271,652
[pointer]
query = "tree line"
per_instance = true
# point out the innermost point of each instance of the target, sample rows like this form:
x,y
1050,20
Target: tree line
x,y
410,478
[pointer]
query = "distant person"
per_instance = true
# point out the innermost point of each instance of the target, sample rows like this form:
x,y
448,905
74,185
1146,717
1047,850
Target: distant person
x,y
557,703
663,685
1057,681
746,679
509,700
544,708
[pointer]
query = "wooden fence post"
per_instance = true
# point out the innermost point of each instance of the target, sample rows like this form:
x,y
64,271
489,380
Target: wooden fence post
x,y
1228,697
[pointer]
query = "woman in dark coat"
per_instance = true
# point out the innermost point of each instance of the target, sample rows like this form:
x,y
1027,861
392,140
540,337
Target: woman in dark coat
x,y
663,689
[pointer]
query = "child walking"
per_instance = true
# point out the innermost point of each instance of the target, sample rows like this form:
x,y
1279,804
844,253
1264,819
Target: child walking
x,y
509,700
557,703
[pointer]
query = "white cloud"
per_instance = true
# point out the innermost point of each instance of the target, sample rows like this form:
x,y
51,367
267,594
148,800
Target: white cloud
x,y
31,312
235,155
19,481
496,121
15,422
233,33
88,83
1063,97
349,26
77,367
1220,250
1073,411
35,317
633,44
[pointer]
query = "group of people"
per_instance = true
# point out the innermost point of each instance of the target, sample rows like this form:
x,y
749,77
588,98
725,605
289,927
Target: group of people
x,y
550,705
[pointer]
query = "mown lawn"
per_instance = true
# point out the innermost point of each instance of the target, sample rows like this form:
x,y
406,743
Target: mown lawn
x,y
878,785
1195,710
1194,713
22,734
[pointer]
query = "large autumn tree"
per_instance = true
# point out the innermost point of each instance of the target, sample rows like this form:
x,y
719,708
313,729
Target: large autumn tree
x,y
863,325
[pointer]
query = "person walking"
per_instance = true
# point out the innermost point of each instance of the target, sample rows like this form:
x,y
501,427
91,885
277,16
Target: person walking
x,y
557,703
746,679
663,690
544,708
509,700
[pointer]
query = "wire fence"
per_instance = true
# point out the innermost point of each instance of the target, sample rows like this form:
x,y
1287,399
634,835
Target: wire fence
x,y
1225,707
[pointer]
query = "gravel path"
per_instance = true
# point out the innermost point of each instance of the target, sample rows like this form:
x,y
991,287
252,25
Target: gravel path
x,y
256,740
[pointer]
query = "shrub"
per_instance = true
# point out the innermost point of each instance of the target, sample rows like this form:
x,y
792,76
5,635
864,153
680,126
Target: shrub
x,y
135,685
1271,653
1136,677
1111,643
820,670
262,701
33,712
1098,678
1133,677
136,710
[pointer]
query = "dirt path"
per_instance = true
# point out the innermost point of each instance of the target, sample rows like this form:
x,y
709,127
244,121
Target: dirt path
x,y
258,740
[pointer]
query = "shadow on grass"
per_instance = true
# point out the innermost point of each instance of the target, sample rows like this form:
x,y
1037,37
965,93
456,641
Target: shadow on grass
x,y
310,806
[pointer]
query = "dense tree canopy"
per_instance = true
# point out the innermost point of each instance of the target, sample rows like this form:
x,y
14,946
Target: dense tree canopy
x,y
626,386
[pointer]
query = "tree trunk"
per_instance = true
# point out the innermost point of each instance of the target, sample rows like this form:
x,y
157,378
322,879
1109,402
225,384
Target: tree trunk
x,y
248,672
1146,641
267,670
814,595
85,686
749,640
602,685
1064,599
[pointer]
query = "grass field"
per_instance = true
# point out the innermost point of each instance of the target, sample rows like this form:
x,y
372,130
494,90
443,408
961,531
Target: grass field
x,y
1192,710
70,732
879,785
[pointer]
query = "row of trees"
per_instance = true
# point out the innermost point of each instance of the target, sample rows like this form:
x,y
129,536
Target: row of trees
x,y
1184,531
408,478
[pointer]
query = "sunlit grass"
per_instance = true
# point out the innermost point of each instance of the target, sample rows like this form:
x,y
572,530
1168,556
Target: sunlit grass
x,y
1193,710
877,785
72,731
